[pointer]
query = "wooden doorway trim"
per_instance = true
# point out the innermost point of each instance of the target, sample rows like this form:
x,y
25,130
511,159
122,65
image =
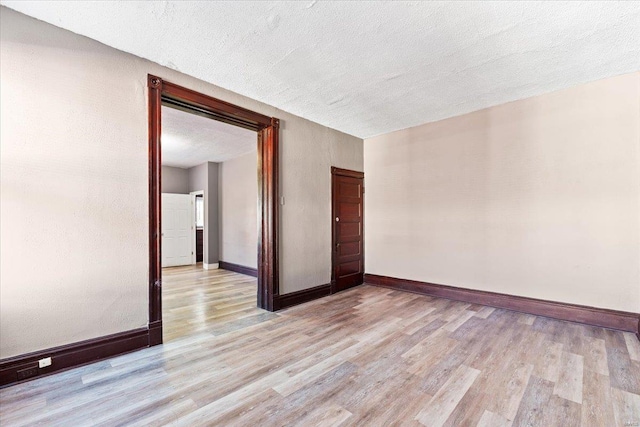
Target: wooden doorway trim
x,y
268,129
338,282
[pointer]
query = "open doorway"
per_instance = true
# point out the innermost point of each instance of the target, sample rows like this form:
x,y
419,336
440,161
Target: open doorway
x,y
209,222
165,97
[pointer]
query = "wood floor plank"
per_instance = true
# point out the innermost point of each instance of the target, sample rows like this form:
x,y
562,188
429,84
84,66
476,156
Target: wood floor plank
x,y
526,319
163,415
595,356
329,387
633,346
623,371
327,415
626,407
373,390
561,412
548,364
445,400
485,312
597,407
208,413
308,375
459,320
439,373
390,409
489,419
511,390
534,402
569,385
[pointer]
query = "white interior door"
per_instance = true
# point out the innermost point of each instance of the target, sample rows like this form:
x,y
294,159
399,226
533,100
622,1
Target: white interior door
x,y
177,235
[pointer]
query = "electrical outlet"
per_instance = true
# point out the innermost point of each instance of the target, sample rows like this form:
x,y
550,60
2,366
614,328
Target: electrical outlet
x,y
43,363
27,373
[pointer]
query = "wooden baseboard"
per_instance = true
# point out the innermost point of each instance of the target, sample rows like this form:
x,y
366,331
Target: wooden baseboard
x,y
612,319
155,333
72,355
305,295
238,268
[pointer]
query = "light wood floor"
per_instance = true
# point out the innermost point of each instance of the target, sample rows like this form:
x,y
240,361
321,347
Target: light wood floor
x,y
195,300
367,357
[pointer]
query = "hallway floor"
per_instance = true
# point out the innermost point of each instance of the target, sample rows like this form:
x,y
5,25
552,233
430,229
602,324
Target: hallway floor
x,y
195,300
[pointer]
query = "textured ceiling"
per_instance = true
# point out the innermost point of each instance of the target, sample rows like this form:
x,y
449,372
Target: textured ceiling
x,y
369,68
189,140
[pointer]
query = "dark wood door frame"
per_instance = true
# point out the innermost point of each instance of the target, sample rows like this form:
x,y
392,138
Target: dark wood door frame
x,y
334,213
268,129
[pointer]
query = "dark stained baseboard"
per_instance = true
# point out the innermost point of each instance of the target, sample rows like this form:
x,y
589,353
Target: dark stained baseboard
x,y
73,355
155,333
238,268
305,295
612,319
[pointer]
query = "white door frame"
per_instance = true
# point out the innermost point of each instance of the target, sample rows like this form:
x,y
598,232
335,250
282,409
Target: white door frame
x,y
193,195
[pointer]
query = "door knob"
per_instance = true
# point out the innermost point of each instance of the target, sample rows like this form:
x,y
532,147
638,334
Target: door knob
x,y
337,219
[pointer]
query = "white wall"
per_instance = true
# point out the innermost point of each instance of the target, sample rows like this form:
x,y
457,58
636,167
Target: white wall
x,y
238,184
538,198
175,180
73,171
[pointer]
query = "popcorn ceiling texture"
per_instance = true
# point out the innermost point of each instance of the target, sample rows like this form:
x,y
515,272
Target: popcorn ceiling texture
x,y
368,69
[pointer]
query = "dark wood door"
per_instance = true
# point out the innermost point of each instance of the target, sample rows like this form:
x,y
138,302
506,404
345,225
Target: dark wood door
x,y
347,206
199,244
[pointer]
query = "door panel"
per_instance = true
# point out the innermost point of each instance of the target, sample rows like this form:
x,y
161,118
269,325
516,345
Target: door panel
x,y
348,225
177,234
347,268
349,211
349,189
349,249
348,230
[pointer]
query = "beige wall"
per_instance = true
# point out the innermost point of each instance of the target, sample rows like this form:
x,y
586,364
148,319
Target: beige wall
x,y
212,215
231,192
73,172
539,198
204,178
238,184
175,180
